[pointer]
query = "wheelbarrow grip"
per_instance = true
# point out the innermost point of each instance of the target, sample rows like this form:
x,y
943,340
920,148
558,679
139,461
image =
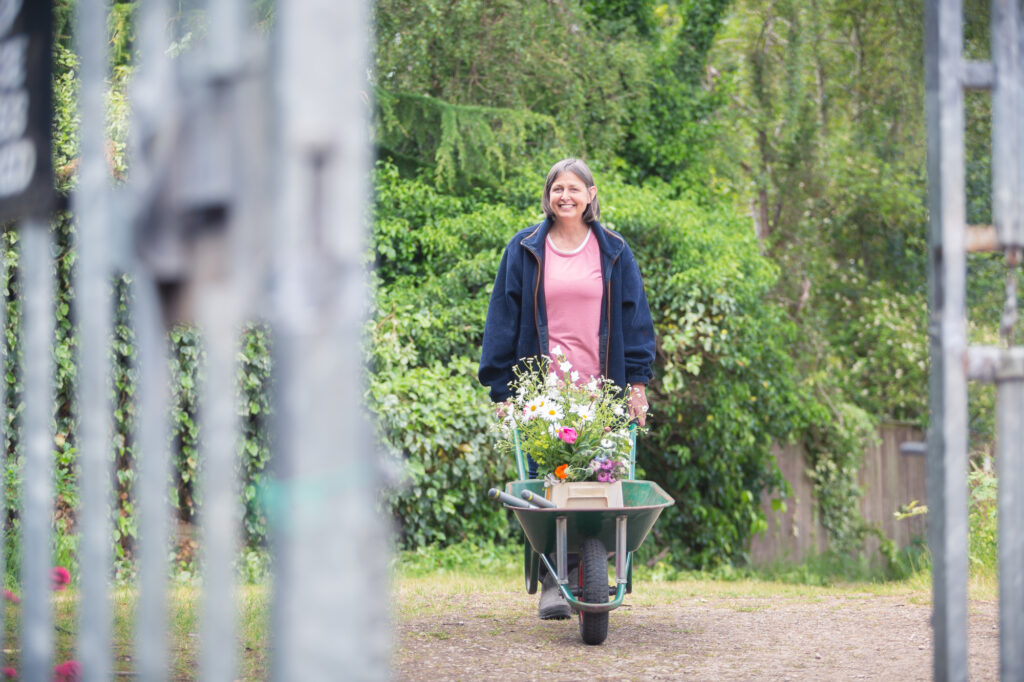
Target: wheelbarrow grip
x,y
505,498
537,500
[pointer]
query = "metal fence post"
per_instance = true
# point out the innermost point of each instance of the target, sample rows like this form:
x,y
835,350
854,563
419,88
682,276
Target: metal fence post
x,y
91,203
330,603
947,435
37,485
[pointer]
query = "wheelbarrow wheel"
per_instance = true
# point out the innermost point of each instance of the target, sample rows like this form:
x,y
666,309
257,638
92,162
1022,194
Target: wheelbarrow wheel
x,y
594,580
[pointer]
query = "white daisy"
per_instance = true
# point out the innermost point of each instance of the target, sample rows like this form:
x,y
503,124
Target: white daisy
x,y
585,412
533,408
552,411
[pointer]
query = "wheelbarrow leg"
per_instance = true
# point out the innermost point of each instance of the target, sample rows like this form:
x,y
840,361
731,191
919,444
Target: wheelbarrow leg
x,y
621,555
561,549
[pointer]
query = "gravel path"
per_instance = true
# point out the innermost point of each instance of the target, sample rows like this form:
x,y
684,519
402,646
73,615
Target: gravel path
x,y
680,631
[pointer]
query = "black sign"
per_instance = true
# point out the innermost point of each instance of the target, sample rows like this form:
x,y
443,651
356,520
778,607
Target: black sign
x,y
26,175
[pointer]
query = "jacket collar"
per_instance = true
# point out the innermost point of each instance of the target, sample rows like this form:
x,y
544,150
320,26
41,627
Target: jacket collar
x,y
610,243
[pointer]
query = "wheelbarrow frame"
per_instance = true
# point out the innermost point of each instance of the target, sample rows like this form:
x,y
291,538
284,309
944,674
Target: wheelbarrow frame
x,y
555,529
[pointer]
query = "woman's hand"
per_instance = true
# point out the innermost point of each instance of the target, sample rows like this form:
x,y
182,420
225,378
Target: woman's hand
x,y
503,409
638,403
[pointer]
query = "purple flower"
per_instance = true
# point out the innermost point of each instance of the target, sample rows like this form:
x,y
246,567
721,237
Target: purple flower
x,y
605,477
607,465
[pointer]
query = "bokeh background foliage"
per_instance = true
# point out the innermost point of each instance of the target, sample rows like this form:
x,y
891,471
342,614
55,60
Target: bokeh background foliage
x,y
765,160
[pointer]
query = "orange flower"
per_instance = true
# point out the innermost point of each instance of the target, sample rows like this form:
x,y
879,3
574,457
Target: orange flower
x,y
562,471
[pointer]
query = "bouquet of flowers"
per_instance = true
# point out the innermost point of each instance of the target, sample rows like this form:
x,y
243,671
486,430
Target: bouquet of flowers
x,y
573,431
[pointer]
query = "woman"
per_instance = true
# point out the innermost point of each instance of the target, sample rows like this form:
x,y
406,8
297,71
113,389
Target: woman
x,y
568,282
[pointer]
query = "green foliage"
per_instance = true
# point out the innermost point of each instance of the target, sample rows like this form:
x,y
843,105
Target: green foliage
x,y
983,518
187,359
461,142
724,386
880,344
834,449
674,124
436,419
255,412
517,78
123,385
598,441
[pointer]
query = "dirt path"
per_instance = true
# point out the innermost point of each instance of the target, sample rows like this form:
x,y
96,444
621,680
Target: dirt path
x,y
680,632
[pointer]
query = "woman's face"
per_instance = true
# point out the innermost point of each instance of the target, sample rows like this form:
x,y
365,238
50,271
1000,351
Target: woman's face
x,y
570,196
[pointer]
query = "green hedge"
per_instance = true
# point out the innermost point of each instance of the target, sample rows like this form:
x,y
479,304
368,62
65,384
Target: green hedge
x,y
724,387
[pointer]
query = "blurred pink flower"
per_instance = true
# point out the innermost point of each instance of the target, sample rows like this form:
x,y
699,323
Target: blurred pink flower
x,y
568,434
10,672
59,578
68,671
11,597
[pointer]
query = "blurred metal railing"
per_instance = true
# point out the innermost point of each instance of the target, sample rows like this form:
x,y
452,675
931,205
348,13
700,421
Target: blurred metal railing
x,y
953,362
245,200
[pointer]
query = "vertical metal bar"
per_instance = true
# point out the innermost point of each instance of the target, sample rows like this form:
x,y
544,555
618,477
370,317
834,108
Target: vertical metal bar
x,y
947,436
37,494
620,549
1006,101
330,598
152,484
219,507
1010,467
92,210
152,97
220,308
561,549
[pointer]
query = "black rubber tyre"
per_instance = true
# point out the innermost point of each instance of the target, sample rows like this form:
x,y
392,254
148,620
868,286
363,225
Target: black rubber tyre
x,y
594,580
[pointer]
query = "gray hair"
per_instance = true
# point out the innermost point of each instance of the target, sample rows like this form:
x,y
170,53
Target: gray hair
x,y
578,168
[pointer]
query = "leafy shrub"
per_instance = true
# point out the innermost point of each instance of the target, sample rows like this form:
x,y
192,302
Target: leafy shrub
x,y
437,420
724,386
983,518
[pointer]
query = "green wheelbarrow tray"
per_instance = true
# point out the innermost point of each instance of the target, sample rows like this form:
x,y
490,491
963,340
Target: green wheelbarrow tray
x,y
555,530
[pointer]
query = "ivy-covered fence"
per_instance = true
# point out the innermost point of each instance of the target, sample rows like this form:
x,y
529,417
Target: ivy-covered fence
x,y
187,373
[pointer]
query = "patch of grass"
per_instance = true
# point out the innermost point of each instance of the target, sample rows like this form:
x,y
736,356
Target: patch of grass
x,y
183,608
466,558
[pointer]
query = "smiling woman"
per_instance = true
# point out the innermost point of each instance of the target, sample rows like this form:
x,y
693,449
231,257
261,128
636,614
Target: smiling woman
x,y
570,286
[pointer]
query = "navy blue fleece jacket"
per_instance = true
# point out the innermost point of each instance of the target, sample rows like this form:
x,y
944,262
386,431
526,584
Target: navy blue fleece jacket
x,y
517,325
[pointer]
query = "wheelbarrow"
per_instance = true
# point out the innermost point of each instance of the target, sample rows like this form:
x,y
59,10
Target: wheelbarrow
x,y
590,532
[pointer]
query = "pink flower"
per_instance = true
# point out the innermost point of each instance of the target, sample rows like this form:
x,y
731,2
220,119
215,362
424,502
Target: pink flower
x,y
11,597
568,434
59,578
68,671
10,672
605,477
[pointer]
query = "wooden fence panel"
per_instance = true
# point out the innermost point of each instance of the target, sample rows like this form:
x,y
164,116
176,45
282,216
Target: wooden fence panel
x,y
888,478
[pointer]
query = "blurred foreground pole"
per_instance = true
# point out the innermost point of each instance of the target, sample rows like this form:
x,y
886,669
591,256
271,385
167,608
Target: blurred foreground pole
x,y
947,329
330,612
953,362
92,207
